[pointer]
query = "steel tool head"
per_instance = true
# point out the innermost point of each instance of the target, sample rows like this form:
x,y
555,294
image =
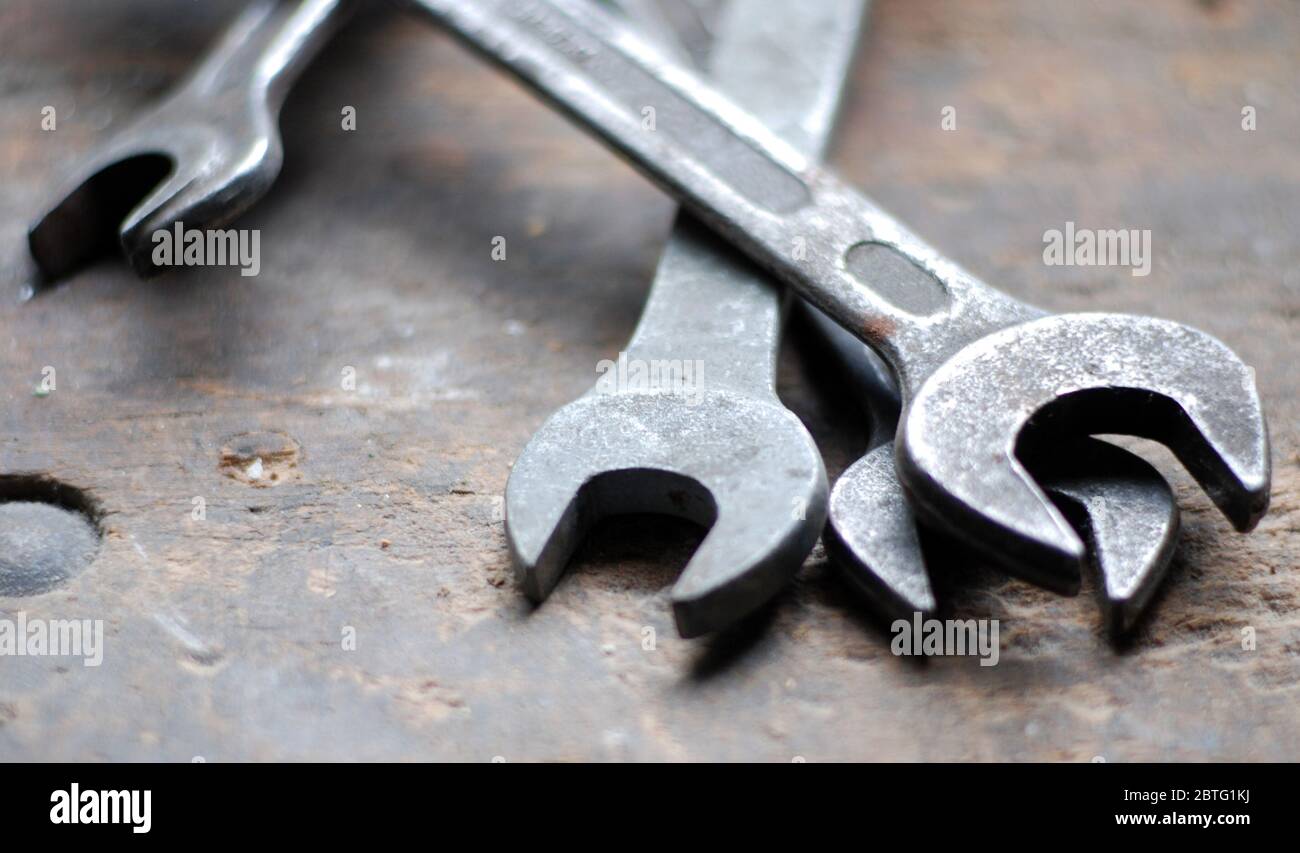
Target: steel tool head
x,y
744,465
188,160
958,452
1117,502
1125,510
872,536
202,156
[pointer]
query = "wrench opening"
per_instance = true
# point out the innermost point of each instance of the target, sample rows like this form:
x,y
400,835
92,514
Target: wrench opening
x,y
85,224
217,131
1147,414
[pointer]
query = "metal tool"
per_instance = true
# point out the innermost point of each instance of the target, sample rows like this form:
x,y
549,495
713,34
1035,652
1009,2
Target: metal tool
x,y
1116,500
202,156
975,367
726,452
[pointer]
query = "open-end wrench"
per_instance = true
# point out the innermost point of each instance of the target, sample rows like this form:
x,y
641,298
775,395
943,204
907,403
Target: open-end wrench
x,y
1116,500
976,368
727,453
202,156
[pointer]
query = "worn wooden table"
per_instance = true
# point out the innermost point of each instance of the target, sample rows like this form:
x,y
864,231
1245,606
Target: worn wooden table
x,y
225,636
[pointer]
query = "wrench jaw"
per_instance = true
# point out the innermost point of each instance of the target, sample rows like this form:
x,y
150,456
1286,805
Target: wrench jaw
x,y
745,468
872,536
218,132
1125,510
216,189
83,224
542,546
1081,373
734,571
1120,505
1132,531
172,165
892,553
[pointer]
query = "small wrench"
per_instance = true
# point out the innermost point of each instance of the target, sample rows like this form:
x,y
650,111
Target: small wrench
x,y
976,368
731,457
1116,500
202,156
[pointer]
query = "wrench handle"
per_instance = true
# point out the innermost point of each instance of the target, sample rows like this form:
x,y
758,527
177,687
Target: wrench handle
x,y
708,302
267,47
800,222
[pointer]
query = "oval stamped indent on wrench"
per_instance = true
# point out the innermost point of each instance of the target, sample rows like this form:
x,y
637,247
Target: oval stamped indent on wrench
x,y
49,533
897,278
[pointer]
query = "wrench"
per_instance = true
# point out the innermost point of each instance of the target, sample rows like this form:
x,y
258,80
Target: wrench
x,y
202,156
1122,504
733,457
976,369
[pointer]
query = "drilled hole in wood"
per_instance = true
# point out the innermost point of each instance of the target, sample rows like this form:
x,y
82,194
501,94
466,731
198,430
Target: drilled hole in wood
x,y
49,533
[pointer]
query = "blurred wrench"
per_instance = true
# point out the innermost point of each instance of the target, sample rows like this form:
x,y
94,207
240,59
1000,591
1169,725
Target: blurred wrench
x,y
202,156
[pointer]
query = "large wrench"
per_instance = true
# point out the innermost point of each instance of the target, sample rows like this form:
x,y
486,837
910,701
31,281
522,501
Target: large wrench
x,y
724,452
202,156
975,367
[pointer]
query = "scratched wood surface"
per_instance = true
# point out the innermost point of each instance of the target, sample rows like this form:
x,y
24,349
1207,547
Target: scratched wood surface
x,y
223,636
